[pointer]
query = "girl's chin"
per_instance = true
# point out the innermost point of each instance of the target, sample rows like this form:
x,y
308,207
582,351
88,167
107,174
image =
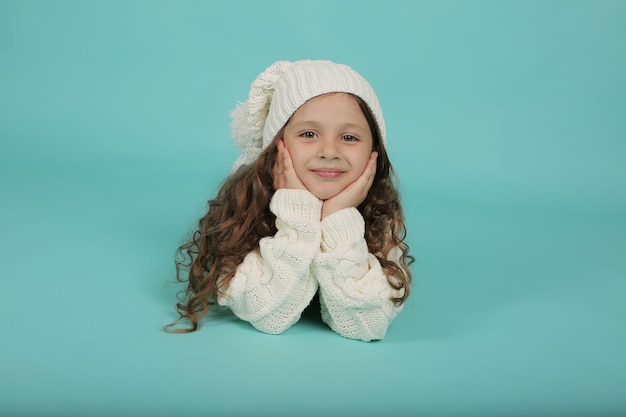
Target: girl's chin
x,y
324,195
325,190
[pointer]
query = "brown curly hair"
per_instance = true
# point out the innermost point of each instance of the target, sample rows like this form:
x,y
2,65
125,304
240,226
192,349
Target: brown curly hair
x,y
239,216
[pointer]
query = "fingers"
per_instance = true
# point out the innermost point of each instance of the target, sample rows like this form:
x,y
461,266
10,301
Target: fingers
x,y
367,178
286,159
289,172
370,169
354,194
365,181
279,168
285,175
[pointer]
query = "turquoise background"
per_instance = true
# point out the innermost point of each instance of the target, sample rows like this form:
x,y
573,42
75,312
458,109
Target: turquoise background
x,y
506,123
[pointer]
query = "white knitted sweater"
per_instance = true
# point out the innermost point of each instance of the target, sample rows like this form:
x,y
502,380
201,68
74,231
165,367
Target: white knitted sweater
x,y
275,283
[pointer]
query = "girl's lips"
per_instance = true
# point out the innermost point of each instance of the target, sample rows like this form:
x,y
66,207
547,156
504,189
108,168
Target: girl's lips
x,y
325,173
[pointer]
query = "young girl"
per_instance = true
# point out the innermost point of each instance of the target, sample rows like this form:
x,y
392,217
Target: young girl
x,y
309,208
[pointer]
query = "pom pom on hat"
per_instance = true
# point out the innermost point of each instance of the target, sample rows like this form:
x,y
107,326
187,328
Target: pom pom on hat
x,y
249,117
280,90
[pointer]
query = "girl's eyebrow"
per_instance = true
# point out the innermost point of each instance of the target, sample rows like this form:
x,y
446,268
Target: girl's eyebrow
x,y
344,126
305,122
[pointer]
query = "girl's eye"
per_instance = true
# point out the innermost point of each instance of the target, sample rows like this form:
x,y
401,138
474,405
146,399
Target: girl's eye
x,y
308,134
349,138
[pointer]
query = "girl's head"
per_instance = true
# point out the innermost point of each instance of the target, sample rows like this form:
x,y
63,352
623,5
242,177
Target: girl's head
x,y
330,139
285,90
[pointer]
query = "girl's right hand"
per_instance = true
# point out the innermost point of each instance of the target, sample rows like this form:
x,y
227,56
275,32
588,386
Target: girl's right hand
x,y
284,173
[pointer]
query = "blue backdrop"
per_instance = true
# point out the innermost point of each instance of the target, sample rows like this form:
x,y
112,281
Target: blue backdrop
x,y
506,125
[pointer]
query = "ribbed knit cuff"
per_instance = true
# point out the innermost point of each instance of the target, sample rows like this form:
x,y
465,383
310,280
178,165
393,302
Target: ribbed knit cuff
x,y
344,226
290,204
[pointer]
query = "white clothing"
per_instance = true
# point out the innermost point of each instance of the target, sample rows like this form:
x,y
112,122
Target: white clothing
x,y
276,282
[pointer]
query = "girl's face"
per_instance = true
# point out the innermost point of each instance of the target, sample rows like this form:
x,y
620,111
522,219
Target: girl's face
x,y
330,142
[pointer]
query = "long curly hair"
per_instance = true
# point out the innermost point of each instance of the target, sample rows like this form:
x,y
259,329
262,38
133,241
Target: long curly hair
x,y
239,216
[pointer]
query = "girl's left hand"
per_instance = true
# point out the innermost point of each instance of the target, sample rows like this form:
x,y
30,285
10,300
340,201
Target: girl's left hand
x,y
354,194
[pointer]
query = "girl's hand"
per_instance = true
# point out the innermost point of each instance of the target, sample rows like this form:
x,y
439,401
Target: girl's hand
x,y
284,173
354,194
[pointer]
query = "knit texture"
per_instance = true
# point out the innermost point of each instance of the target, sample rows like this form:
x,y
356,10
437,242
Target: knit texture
x,y
283,88
275,283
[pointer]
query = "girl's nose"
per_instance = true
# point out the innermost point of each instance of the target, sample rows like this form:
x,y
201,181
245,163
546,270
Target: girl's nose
x,y
328,149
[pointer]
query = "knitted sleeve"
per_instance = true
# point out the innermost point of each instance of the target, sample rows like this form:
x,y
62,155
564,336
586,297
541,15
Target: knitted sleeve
x,y
355,295
274,284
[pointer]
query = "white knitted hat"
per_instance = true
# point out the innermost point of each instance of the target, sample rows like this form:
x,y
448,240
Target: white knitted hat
x,y
280,90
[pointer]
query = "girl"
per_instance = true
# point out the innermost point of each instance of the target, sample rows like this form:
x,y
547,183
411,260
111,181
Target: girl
x,y
310,208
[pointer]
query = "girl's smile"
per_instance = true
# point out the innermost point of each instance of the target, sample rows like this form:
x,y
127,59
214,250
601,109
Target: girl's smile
x,y
330,142
327,173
